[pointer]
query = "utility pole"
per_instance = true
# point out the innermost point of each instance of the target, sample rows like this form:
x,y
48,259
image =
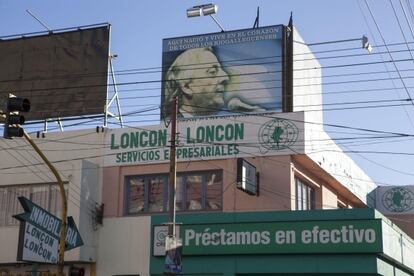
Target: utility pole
x,y
173,171
173,256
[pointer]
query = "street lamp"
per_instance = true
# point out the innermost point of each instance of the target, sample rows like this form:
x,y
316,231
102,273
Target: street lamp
x,y
365,43
206,9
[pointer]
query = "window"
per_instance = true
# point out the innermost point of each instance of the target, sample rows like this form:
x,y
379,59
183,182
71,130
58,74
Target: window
x,y
136,192
195,191
305,196
194,188
46,196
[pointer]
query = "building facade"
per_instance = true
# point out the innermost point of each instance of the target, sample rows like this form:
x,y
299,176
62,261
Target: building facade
x,y
284,225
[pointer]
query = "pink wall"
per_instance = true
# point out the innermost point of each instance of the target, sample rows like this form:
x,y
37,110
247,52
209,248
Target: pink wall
x,y
405,222
111,191
275,183
275,186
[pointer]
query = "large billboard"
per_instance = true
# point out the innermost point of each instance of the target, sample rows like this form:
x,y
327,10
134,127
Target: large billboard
x,y
62,73
224,73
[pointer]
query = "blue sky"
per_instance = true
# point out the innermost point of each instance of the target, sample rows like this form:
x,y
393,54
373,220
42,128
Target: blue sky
x,y
138,28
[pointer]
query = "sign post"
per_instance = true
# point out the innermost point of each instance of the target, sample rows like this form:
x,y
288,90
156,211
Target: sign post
x,y
173,257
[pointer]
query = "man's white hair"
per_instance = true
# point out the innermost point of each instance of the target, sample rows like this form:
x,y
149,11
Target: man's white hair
x,y
180,74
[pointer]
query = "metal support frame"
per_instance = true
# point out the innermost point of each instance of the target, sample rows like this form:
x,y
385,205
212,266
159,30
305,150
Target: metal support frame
x,y
217,22
114,98
58,121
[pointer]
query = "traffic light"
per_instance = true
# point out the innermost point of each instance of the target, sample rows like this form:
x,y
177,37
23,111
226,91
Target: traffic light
x,y
15,105
76,271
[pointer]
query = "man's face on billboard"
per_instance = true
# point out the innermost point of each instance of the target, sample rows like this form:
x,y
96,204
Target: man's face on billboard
x,y
206,88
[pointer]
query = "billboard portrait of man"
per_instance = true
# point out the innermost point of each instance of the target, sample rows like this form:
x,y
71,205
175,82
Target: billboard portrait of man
x,y
223,73
197,78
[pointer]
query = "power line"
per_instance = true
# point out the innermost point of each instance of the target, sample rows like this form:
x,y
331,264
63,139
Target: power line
x,y
153,148
265,88
406,19
31,166
392,59
411,11
97,156
199,78
270,116
162,69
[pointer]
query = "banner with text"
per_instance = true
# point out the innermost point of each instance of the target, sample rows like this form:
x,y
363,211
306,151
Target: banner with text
x,y
209,138
347,236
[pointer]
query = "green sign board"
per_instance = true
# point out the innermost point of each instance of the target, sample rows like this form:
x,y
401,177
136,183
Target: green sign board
x,y
209,138
347,236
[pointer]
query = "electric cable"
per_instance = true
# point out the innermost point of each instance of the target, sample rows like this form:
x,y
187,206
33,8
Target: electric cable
x,y
392,59
406,19
162,69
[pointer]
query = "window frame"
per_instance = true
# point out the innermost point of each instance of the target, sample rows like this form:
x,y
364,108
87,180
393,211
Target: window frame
x,y
184,192
12,204
303,203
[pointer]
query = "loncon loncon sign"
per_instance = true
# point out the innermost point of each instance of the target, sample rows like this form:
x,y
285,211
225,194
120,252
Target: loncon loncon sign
x,y
209,138
346,236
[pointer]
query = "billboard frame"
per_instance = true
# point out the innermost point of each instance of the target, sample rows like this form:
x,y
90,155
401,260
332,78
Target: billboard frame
x,y
282,60
109,98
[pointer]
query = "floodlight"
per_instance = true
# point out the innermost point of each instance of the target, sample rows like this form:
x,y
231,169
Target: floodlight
x,y
206,9
194,12
209,9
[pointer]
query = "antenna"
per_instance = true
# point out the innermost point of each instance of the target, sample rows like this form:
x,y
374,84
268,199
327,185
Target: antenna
x,y
38,20
256,21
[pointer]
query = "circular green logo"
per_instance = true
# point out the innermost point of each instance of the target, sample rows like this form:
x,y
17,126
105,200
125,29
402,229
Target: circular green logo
x,y
278,134
398,200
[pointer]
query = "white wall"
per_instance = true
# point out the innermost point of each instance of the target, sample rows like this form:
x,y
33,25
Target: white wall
x,y
88,198
319,147
76,155
307,89
9,237
124,246
397,244
329,199
20,164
